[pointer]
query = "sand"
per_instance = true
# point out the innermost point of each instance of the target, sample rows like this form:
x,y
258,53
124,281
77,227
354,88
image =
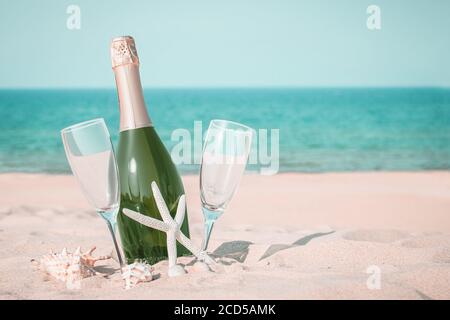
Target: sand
x,y
383,235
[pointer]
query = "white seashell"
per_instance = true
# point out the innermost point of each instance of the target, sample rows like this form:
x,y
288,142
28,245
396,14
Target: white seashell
x,y
69,268
135,273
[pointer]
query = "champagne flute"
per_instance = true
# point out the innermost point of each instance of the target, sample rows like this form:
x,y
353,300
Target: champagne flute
x,y
225,154
91,157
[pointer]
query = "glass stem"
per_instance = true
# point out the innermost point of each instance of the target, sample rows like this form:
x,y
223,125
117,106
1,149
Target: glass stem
x,y
111,221
210,217
208,228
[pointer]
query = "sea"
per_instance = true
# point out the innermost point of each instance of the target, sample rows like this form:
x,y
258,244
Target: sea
x,y
312,129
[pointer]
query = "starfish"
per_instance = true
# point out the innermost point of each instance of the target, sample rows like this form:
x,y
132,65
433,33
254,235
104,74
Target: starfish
x,y
172,228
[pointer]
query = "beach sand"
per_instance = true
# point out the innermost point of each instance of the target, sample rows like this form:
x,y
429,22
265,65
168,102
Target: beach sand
x,y
383,235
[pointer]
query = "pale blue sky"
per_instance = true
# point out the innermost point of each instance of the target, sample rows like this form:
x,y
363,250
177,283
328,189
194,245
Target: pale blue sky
x,y
228,43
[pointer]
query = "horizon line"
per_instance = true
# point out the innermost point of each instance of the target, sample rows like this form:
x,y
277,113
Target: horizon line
x,y
234,87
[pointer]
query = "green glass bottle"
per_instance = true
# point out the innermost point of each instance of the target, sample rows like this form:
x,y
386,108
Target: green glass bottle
x,y
141,158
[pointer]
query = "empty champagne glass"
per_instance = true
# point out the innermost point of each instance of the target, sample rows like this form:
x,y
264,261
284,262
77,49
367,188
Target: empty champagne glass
x,y
225,153
91,157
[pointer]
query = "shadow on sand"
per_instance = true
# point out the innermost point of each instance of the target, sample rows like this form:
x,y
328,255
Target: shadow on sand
x,y
238,250
300,242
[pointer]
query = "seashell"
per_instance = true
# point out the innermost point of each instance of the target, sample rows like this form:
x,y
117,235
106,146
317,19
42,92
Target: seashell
x,y
137,272
69,268
201,266
88,260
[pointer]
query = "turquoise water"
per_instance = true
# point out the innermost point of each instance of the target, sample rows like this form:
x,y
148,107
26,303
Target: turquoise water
x,y
320,129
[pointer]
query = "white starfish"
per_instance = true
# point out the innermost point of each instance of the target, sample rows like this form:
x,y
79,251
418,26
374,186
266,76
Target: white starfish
x,y
172,228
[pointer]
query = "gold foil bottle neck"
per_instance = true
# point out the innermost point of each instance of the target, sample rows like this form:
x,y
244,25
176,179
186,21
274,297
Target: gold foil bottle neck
x,y
125,64
123,51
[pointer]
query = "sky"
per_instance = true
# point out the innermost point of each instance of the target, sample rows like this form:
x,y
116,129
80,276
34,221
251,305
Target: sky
x,y
233,43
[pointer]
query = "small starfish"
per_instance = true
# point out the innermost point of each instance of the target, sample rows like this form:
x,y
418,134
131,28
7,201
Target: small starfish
x,y
172,228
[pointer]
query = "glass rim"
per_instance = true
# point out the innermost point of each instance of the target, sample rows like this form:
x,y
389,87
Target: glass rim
x,y
214,122
84,124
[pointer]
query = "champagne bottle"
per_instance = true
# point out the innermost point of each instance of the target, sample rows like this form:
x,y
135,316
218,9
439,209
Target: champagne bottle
x,y
141,158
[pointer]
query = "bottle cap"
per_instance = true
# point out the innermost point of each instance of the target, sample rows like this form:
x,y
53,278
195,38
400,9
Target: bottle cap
x,y
123,51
